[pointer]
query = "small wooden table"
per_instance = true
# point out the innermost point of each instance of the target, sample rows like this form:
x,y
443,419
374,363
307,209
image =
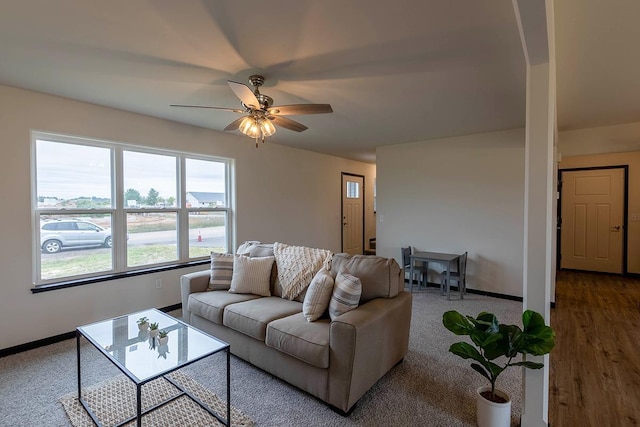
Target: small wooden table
x,y
444,259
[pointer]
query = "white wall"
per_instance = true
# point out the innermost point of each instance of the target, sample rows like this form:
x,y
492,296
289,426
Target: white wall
x,y
283,194
454,195
600,140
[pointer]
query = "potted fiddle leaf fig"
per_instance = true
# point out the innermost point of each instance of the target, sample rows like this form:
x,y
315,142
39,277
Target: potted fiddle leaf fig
x,y
496,347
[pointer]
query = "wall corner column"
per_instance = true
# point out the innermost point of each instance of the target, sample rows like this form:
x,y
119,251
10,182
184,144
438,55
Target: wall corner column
x,y
535,20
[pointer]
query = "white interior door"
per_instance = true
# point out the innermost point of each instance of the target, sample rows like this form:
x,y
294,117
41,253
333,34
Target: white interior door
x,y
592,220
352,214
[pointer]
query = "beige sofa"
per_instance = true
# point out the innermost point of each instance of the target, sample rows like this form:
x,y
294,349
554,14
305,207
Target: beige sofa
x,y
336,361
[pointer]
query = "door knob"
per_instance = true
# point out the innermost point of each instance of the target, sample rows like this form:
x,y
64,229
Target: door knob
x,y
616,228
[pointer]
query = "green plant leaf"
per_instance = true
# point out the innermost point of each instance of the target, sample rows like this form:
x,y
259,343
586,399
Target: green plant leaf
x,y
538,338
488,321
532,321
494,346
513,339
478,337
495,370
456,323
541,344
467,351
481,371
530,365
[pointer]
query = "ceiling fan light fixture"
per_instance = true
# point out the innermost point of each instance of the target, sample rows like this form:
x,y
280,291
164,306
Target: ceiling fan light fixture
x,y
267,127
257,127
249,126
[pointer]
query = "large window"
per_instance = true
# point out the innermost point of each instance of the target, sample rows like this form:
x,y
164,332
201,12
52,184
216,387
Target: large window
x,y
105,208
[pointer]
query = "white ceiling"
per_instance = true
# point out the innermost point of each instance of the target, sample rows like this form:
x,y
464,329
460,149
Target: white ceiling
x,y
394,72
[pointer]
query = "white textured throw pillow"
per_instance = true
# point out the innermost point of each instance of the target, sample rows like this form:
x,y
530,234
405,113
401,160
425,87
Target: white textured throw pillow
x,y
318,295
251,275
297,265
346,294
221,271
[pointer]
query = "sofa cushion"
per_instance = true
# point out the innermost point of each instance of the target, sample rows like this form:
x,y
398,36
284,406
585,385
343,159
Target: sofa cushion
x,y
297,265
251,275
380,277
346,294
252,317
211,304
253,248
318,295
306,341
221,271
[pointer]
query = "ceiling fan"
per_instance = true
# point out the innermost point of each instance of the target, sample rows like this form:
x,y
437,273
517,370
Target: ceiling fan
x,y
260,115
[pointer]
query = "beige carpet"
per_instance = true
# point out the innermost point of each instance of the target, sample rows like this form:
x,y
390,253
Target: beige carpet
x,y
114,401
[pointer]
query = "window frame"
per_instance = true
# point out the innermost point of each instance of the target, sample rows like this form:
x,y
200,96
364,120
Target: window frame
x,y
119,211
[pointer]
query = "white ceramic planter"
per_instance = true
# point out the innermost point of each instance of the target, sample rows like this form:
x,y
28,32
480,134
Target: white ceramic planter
x,y
154,332
163,340
492,414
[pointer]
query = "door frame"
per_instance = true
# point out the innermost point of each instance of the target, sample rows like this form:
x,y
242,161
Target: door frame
x,y
625,211
364,205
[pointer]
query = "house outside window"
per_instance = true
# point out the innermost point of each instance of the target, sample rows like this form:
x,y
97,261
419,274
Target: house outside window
x,y
103,208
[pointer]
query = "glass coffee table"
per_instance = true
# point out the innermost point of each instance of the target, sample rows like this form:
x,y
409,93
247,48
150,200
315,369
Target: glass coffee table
x,y
142,358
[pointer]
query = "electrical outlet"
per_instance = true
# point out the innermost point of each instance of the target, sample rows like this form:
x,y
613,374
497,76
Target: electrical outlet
x,y
158,283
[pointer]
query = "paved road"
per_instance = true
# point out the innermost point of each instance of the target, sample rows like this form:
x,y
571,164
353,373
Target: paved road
x,y
209,237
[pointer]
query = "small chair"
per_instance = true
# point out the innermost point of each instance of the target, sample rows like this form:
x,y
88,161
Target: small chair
x,y
459,276
419,270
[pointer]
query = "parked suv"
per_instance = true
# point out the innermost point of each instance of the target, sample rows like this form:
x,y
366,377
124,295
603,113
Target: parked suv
x,y
56,234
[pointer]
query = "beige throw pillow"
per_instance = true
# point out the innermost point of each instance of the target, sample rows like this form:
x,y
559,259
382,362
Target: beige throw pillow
x,y
221,271
346,294
251,275
318,295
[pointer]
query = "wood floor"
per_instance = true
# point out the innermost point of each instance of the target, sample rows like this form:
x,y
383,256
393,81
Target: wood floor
x,y
595,366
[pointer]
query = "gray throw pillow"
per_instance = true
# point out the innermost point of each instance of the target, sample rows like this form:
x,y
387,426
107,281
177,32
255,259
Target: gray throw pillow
x,y
346,294
221,271
318,295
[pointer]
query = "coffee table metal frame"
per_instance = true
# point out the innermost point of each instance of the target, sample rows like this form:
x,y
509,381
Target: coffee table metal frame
x,y
139,383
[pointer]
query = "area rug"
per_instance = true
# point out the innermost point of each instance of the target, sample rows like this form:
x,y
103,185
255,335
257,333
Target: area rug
x,y
115,400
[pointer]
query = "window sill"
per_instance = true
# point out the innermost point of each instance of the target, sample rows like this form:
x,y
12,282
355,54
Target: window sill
x,y
97,279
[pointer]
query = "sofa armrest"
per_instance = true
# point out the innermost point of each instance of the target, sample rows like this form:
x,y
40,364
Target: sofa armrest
x,y
365,344
190,283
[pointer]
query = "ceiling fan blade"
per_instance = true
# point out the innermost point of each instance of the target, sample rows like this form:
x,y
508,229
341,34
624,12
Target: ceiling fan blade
x,y
294,109
288,123
234,124
245,94
235,110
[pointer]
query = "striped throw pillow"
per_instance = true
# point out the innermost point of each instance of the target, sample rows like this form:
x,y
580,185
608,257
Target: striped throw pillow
x,y
252,275
221,271
346,294
318,295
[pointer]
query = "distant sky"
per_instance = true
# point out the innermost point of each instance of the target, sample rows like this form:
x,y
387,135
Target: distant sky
x,y
68,171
